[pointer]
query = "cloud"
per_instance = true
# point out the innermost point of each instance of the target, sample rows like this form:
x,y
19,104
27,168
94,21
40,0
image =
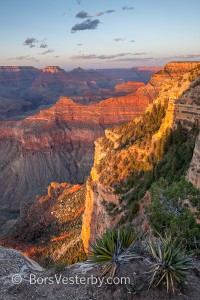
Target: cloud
x,y
110,11
43,45
30,42
187,56
20,57
48,51
128,8
99,13
119,39
195,56
86,25
94,56
82,15
24,57
161,59
135,59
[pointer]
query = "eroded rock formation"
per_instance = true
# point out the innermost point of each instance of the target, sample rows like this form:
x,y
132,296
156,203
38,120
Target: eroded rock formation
x,y
68,122
128,87
177,87
194,170
26,90
56,145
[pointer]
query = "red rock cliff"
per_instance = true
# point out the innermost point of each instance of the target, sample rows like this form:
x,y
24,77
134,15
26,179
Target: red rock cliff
x,y
172,85
57,144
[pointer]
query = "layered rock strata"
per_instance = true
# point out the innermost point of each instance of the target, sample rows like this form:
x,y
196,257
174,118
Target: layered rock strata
x,y
56,145
177,87
194,170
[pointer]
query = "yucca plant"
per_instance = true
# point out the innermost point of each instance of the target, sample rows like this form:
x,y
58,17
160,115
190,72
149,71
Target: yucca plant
x,y
172,264
112,249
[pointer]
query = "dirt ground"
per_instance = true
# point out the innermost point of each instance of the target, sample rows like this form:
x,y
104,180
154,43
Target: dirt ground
x,y
77,282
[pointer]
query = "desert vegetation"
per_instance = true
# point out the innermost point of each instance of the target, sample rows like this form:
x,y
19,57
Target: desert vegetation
x,y
166,262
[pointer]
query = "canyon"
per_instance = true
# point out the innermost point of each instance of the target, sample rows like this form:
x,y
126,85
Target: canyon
x,y
172,94
26,90
57,144
181,98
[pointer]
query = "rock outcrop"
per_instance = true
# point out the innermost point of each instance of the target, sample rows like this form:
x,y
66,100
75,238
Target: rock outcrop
x,y
183,101
23,279
56,145
128,87
49,229
95,217
194,169
176,87
70,123
52,75
26,90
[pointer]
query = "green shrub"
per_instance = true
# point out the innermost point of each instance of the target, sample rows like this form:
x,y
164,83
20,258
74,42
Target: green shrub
x,y
112,249
171,264
163,219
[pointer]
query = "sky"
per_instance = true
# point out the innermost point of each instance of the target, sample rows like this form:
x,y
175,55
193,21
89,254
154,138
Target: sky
x,y
98,33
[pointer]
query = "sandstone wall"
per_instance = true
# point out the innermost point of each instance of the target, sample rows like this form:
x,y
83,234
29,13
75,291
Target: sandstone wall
x,y
193,174
172,85
56,145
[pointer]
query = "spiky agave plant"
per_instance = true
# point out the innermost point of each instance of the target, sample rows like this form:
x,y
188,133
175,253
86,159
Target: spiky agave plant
x,y
172,264
112,249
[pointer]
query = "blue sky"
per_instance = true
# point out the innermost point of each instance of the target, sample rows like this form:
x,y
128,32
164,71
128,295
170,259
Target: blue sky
x,y
98,33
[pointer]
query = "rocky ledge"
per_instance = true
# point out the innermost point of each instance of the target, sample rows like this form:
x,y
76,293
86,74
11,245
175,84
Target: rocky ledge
x,y
23,279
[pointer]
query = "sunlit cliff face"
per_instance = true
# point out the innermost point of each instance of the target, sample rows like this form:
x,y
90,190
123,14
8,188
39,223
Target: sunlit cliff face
x,y
114,159
52,69
109,169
